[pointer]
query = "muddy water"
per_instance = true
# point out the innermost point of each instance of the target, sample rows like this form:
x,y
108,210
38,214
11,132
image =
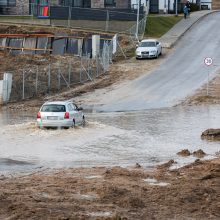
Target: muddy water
x,y
148,138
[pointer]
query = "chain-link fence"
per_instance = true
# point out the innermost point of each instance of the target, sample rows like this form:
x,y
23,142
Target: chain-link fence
x,y
110,20
45,79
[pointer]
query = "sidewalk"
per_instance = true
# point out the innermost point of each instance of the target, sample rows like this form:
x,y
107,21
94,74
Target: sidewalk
x,y
169,39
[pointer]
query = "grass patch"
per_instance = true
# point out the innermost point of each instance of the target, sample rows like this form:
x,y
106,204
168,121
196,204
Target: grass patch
x,y
159,25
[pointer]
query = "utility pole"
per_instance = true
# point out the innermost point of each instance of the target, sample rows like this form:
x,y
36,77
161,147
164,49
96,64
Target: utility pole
x,y
138,14
176,7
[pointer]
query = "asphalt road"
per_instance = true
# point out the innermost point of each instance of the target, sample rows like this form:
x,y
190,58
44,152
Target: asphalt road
x,y
181,73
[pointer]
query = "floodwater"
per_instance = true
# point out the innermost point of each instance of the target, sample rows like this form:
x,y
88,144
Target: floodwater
x,y
148,137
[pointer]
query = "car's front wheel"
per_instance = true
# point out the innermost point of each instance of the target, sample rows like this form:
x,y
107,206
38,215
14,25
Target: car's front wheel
x,y
83,121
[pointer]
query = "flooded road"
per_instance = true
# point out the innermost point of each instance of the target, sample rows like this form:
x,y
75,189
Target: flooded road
x,y
147,137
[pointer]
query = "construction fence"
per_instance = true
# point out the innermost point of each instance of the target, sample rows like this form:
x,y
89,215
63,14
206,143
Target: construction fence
x,y
38,80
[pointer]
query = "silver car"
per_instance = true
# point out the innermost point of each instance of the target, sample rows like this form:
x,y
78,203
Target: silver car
x,y
60,114
150,48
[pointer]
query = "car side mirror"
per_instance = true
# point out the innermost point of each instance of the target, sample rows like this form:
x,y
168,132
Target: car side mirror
x,y
80,109
137,45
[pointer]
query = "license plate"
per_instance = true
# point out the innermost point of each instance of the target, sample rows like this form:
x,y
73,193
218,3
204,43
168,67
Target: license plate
x,y
52,118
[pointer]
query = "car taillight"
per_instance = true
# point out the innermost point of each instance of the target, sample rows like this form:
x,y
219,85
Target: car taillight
x,y
38,115
67,115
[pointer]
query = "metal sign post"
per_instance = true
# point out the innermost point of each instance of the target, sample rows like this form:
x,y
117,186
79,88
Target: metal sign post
x,y
208,62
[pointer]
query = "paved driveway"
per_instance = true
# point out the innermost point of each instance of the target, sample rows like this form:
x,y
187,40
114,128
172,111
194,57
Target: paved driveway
x,y
177,77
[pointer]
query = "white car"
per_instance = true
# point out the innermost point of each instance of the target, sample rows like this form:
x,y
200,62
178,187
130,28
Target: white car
x,y
60,114
150,48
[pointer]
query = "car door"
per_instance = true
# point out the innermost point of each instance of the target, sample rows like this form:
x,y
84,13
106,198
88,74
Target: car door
x,y
71,111
76,114
158,47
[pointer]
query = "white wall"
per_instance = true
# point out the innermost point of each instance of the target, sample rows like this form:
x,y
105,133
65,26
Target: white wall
x,y
1,92
135,2
5,88
163,5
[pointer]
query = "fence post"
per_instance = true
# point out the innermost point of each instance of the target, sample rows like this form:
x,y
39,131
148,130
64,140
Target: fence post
x,y
23,86
59,77
36,84
107,21
69,17
69,77
48,79
97,66
80,76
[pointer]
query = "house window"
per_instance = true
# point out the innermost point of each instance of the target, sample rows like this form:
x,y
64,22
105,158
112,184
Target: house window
x,y
110,3
87,3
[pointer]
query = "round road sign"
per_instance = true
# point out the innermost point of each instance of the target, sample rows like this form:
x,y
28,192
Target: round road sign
x,y
208,61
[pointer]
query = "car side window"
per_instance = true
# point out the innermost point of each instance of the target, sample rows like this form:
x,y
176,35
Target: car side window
x,y
70,107
74,107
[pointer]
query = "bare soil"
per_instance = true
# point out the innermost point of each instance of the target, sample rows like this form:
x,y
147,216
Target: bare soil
x,y
211,134
121,71
200,97
191,192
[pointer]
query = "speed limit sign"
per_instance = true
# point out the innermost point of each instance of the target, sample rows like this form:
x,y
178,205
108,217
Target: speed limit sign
x,y
208,61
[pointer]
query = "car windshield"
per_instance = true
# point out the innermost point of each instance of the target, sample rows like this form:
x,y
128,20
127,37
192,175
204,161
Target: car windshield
x,y
53,108
148,44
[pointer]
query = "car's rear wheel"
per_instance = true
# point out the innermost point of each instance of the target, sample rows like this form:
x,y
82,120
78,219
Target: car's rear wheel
x,y
73,124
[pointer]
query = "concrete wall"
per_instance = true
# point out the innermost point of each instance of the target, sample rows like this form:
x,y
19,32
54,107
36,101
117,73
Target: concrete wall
x,y
97,4
5,88
1,92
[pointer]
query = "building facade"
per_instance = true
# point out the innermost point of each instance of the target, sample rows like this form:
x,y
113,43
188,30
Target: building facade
x,y
6,6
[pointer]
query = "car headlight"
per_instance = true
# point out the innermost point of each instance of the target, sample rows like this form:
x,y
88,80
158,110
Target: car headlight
x,y
138,52
153,51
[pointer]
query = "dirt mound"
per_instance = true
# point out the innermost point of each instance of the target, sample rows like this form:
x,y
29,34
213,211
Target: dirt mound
x,y
184,153
199,153
211,134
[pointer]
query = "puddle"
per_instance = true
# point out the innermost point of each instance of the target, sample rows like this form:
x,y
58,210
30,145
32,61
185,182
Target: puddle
x,y
93,177
85,197
154,182
100,214
109,139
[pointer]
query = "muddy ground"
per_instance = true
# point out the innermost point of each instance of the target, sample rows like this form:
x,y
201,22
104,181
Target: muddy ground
x,y
191,192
